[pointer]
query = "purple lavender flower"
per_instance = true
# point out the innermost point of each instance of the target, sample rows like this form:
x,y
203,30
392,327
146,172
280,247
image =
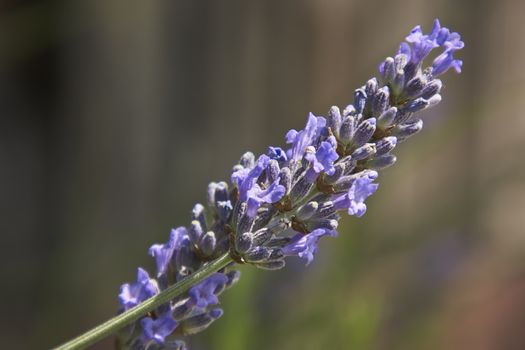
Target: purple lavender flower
x,y
256,196
164,252
156,330
277,153
444,62
253,193
245,178
133,294
305,246
323,158
354,199
304,138
423,44
205,293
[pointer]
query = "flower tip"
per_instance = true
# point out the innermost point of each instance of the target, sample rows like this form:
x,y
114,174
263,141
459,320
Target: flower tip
x,y
458,65
372,175
216,313
437,25
142,274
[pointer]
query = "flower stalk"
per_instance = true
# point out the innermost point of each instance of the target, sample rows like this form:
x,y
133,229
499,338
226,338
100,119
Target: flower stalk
x,y
118,322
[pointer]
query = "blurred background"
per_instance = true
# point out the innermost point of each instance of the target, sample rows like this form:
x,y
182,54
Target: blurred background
x,y
116,114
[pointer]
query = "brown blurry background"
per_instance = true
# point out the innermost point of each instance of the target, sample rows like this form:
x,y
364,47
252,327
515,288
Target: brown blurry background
x,y
116,114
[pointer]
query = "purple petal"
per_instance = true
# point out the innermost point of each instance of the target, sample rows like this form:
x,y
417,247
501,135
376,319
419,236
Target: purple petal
x,y
306,137
360,190
132,294
257,196
163,252
246,179
422,44
354,199
205,293
305,246
444,62
157,330
277,153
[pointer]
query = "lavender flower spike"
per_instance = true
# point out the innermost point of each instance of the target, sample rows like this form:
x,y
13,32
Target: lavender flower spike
x,y
281,204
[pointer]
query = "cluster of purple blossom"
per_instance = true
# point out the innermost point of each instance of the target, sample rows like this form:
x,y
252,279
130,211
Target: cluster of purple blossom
x,y
281,203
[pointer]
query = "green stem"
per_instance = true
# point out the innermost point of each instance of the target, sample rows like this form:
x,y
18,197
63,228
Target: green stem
x,y
116,323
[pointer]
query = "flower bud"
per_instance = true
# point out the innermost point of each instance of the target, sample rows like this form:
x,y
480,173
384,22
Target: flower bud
x,y
385,145
382,162
365,151
307,211
208,243
364,132
334,120
243,242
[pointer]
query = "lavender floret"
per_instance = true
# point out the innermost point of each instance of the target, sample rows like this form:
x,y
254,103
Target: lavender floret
x,y
157,330
133,294
206,292
354,199
305,246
